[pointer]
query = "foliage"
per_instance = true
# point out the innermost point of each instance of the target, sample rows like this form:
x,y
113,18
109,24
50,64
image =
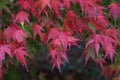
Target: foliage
x,y
59,24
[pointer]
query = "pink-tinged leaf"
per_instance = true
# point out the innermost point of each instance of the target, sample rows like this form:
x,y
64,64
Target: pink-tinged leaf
x,y
90,8
53,33
24,4
74,24
107,43
37,29
59,41
55,43
20,54
44,3
97,47
108,46
57,58
72,41
102,21
87,57
114,10
4,49
19,35
9,31
113,33
55,4
109,52
95,39
67,3
21,17
43,37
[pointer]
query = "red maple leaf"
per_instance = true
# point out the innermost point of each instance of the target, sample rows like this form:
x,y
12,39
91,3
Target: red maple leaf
x,y
96,40
19,35
74,24
37,29
59,41
67,3
53,33
112,33
44,3
9,31
108,46
4,49
114,10
21,17
20,54
57,58
90,8
55,4
101,20
24,4
107,43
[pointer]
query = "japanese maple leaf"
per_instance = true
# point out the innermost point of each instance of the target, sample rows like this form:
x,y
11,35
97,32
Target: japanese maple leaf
x,y
96,40
101,20
113,33
45,3
43,37
61,38
20,54
37,29
21,17
55,4
9,31
90,8
4,49
19,35
57,58
72,41
109,52
107,43
74,24
67,3
87,57
59,41
53,33
114,10
24,4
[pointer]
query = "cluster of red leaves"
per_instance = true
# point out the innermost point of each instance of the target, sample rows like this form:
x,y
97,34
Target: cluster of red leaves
x,y
47,18
12,43
58,43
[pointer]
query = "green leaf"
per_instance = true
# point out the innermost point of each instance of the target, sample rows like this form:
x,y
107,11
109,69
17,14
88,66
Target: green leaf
x,y
3,3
